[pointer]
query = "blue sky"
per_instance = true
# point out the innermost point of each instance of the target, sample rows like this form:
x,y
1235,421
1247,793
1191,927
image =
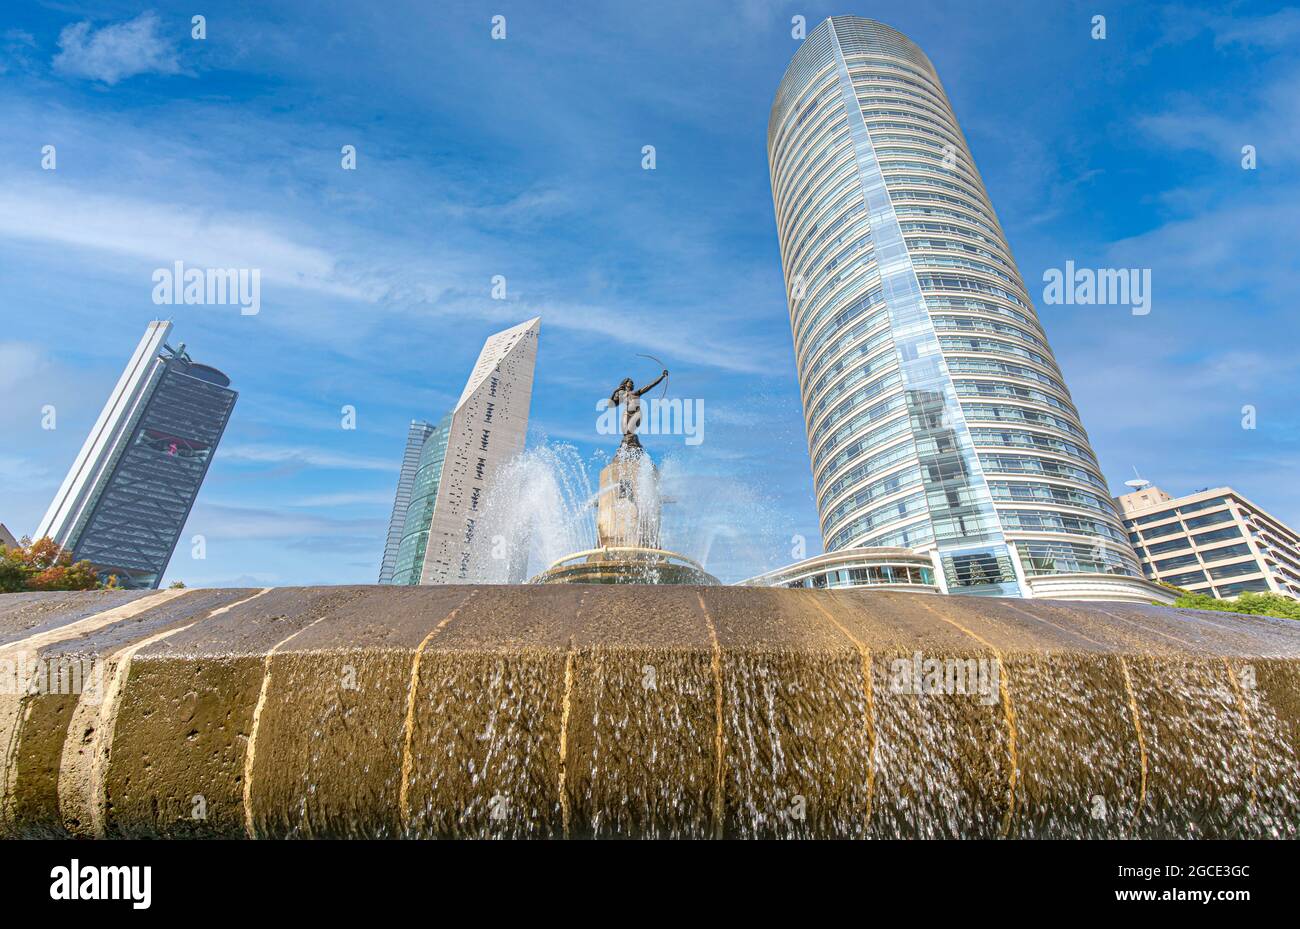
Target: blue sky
x,y
522,158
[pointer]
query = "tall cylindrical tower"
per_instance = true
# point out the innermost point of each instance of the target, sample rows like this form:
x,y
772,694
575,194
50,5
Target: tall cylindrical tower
x,y
937,417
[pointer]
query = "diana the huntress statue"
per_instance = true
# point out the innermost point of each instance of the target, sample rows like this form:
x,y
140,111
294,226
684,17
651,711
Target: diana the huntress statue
x,y
629,397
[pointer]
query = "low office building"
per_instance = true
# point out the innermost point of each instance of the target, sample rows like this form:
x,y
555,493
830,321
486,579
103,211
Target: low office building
x,y
1213,542
7,539
877,568
921,571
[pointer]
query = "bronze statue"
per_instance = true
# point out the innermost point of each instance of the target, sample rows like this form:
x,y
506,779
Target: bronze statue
x,y
630,398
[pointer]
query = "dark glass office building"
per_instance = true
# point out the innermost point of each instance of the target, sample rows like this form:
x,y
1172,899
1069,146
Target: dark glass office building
x,y
129,494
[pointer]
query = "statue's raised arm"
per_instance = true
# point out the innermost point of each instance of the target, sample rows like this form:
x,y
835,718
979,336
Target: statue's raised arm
x,y
653,384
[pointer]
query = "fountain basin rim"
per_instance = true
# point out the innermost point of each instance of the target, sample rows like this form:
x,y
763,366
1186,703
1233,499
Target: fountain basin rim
x,y
620,562
625,553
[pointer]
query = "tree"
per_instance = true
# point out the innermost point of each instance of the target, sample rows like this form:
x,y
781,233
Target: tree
x,y
1254,604
43,565
13,573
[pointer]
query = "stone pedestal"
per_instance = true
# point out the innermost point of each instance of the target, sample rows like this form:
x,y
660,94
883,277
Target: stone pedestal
x,y
628,505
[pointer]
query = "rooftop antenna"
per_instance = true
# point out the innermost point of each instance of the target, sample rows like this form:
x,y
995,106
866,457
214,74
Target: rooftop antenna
x,y
1138,482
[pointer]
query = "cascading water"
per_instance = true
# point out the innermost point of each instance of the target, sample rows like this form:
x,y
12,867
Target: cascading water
x,y
540,508
723,523
543,507
658,712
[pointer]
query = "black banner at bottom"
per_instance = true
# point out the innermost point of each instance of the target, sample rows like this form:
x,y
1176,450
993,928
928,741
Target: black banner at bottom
x,y
331,878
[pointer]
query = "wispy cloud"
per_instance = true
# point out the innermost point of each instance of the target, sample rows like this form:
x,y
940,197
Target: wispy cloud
x,y
1268,122
303,456
346,498
1277,30
113,53
16,49
19,362
160,232
220,521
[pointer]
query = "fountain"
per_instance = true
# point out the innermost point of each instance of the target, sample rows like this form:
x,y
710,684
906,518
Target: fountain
x,y
611,699
537,510
644,521
540,507
628,518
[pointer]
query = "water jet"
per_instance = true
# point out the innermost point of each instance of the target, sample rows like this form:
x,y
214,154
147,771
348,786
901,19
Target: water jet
x,y
628,518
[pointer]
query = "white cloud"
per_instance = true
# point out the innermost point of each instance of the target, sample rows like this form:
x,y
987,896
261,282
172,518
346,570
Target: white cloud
x,y
163,233
304,456
115,52
346,498
219,521
19,362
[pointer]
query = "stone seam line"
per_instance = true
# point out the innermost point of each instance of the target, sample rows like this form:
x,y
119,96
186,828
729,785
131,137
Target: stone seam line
x,y
570,656
564,739
13,706
1214,620
1057,626
1142,744
719,743
250,753
83,770
1232,678
1250,730
408,727
101,742
1128,690
1008,711
1129,621
869,709
95,621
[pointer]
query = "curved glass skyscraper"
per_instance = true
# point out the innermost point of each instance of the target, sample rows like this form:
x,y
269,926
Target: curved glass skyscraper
x,y
422,496
937,416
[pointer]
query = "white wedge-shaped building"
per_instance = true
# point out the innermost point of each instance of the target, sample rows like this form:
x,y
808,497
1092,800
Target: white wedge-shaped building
x,y
458,460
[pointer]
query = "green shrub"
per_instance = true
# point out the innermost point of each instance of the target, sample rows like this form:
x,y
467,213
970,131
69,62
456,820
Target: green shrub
x,y
1255,604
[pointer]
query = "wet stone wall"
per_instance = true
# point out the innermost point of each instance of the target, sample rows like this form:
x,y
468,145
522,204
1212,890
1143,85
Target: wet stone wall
x,y
682,712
